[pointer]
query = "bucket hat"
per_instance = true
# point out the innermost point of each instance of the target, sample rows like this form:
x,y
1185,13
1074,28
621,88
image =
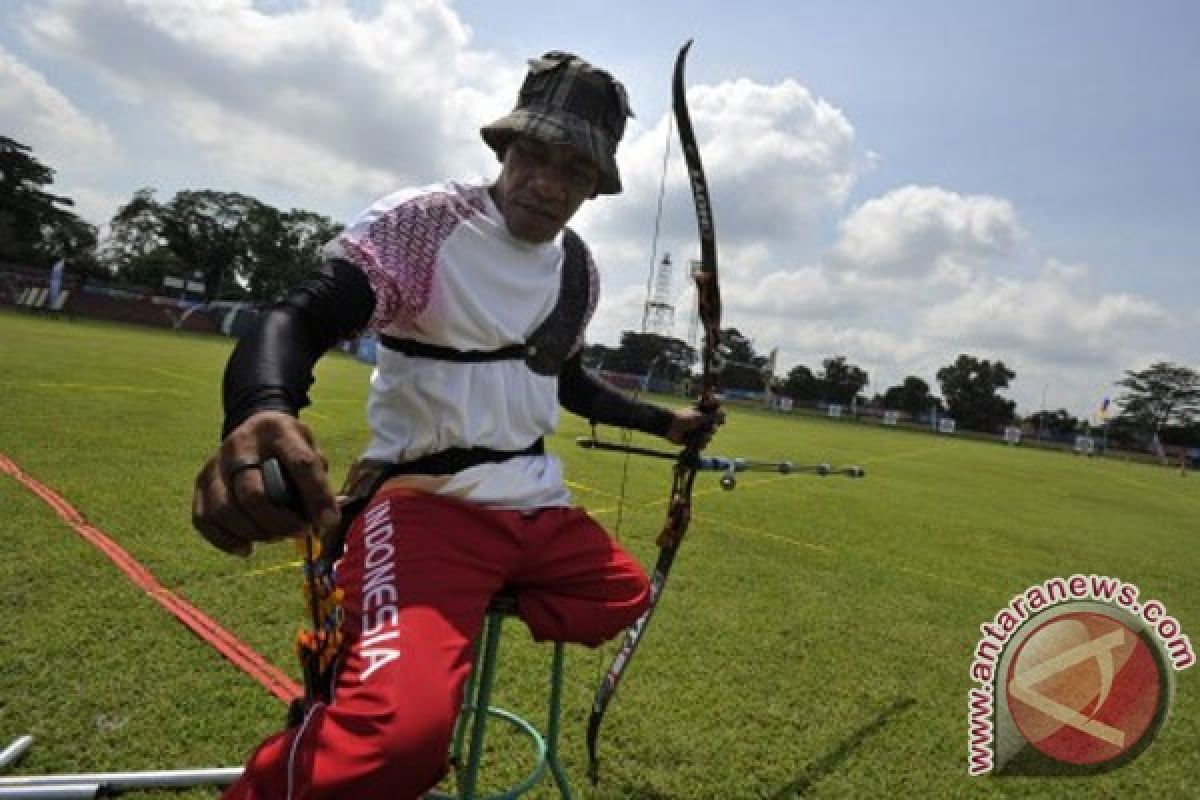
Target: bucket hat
x,y
567,100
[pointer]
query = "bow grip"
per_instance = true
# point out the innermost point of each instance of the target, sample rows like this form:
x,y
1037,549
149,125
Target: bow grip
x,y
281,489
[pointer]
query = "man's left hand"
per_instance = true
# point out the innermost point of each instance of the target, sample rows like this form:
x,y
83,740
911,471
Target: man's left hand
x,y
691,426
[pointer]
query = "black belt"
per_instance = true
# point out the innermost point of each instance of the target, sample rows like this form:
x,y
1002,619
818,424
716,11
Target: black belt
x,y
415,349
456,459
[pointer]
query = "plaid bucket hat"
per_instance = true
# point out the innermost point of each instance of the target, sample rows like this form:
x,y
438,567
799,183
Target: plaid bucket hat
x,y
565,99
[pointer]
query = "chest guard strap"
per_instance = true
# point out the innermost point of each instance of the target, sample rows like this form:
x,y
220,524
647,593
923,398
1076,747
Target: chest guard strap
x,y
548,346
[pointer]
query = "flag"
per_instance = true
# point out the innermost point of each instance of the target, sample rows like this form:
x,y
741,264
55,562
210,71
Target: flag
x,y
1102,414
56,276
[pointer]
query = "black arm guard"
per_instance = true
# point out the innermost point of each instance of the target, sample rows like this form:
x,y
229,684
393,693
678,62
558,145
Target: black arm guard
x,y
271,367
596,401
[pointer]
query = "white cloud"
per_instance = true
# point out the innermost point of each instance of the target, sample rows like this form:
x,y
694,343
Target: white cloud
x,y
783,156
620,309
926,233
777,160
920,275
1066,341
93,205
915,276
40,116
238,143
314,99
1054,317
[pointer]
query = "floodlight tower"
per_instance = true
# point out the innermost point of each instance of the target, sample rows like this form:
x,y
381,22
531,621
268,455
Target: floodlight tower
x,y
658,315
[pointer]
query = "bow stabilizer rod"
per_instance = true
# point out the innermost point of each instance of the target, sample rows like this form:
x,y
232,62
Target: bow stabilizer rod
x,y
729,466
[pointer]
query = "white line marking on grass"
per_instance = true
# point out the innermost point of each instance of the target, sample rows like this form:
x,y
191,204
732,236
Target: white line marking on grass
x,y
590,490
820,547
98,388
695,493
907,454
252,573
742,484
269,570
702,492
830,550
824,548
814,545
179,376
941,578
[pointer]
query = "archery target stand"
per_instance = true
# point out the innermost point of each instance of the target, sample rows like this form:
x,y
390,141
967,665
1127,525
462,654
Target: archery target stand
x,y
466,753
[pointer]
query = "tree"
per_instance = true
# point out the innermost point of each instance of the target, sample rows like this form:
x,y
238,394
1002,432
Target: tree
x,y
149,269
801,385
841,382
282,248
645,353
1054,424
970,387
744,368
204,229
136,249
1161,395
239,245
37,227
911,396
598,356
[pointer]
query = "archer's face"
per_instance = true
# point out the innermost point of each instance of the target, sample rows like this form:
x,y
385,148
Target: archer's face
x,y
541,186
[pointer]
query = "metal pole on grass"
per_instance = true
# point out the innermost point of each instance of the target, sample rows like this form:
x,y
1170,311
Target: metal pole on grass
x,y
90,784
126,781
59,791
12,754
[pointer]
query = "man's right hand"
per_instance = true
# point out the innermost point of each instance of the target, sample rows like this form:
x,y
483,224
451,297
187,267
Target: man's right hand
x,y
230,506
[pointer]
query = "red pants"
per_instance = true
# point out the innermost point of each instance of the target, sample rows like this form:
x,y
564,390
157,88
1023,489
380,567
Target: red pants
x,y
419,571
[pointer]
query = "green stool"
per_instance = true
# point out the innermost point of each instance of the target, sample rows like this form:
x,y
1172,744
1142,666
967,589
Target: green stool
x,y
472,720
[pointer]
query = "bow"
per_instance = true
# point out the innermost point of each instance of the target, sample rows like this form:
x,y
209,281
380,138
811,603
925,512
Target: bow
x,y
318,647
679,509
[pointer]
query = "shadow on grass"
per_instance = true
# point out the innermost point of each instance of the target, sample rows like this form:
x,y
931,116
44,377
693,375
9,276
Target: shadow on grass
x,y
1031,763
829,762
646,793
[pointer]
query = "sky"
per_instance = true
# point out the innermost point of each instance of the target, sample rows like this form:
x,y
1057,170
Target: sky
x,y
893,182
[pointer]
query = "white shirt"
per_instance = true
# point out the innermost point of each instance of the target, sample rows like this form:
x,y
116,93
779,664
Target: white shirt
x,y
446,271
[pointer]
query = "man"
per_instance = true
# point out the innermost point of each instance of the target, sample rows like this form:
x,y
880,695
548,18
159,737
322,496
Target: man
x,y
480,298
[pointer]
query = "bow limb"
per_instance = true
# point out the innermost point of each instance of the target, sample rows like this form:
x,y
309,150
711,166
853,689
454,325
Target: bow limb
x,y
679,509
708,291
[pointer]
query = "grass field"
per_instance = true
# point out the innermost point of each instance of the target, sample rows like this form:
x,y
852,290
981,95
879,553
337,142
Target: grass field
x,y
814,640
